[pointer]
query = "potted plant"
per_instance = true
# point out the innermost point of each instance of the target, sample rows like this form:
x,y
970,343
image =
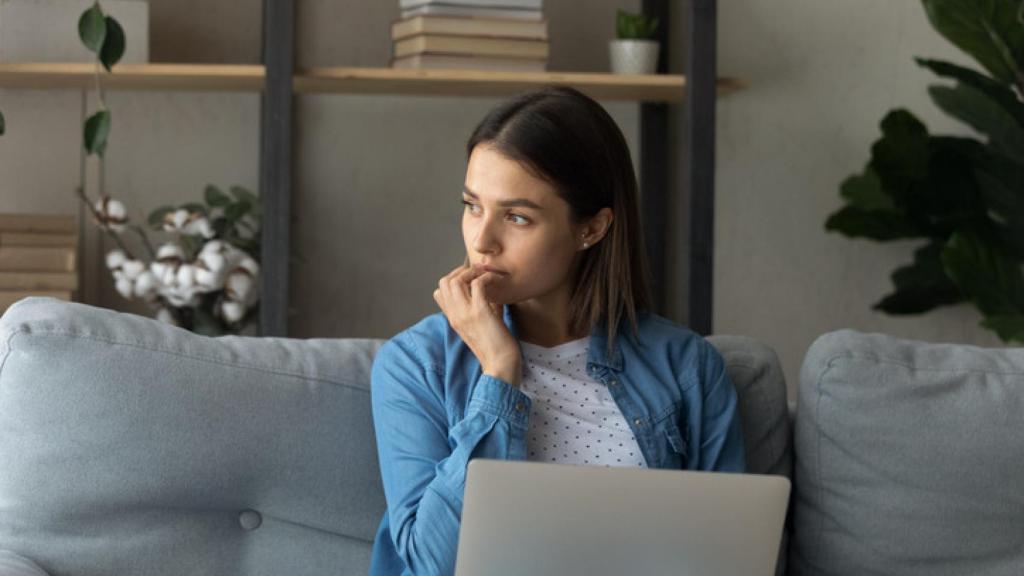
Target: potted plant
x,y
634,51
961,197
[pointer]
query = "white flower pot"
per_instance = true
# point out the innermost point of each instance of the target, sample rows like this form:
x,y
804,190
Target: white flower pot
x,y
633,56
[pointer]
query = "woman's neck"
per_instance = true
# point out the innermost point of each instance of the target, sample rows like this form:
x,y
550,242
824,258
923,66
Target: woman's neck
x,y
546,326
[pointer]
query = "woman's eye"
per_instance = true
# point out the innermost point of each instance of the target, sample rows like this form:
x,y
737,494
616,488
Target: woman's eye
x,y
469,205
523,219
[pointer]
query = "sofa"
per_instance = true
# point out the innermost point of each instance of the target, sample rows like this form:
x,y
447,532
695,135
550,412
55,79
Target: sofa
x,y
128,446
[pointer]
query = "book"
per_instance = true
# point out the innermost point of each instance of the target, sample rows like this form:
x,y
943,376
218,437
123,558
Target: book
x,y
37,239
500,4
9,297
470,45
472,12
454,62
463,26
38,281
47,223
37,259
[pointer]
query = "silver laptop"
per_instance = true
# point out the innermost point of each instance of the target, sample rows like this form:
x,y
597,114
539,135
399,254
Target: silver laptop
x,y
536,519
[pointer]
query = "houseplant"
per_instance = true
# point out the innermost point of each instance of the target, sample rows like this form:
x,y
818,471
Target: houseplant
x,y
634,51
205,276
963,196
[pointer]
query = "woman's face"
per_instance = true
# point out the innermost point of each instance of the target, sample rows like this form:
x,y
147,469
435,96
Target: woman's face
x,y
516,223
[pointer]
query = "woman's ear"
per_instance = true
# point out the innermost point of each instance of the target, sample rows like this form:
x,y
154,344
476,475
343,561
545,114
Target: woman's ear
x,y
596,228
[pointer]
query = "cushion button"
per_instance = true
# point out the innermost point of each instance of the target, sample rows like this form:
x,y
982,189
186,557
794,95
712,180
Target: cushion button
x,y
250,519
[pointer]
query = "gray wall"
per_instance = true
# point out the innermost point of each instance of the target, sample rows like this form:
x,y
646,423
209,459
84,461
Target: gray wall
x,y
375,210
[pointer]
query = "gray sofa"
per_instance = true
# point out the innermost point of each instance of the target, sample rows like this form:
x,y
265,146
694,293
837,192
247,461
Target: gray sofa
x,y
131,447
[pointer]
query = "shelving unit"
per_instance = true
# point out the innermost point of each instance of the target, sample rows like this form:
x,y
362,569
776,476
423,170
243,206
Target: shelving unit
x,y
277,81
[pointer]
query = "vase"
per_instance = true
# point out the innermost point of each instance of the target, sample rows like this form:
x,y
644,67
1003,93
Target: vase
x,y
633,56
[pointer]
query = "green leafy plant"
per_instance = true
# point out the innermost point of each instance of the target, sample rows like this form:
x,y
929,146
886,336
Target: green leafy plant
x,y
629,26
205,277
104,37
963,196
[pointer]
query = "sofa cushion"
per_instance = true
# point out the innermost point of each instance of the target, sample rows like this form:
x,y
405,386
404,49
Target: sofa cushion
x,y
909,459
132,447
12,564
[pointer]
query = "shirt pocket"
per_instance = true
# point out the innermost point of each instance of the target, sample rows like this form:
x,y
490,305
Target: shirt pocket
x,y
674,442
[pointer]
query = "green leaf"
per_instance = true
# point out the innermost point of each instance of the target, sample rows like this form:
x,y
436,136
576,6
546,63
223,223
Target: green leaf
x,y
113,44
999,93
983,114
865,191
156,217
900,157
216,198
1009,327
984,272
988,30
97,128
922,285
1001,183
242,194
195,207
92,28
874,224
2,125
237,211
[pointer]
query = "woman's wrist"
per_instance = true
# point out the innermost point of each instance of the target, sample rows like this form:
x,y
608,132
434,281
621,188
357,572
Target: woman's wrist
x,y
508,370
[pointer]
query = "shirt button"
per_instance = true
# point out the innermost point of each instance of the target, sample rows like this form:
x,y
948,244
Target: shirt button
x,y
519,407
613,383
638,422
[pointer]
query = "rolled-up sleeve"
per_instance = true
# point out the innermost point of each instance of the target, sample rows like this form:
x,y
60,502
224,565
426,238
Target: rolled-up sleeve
x,y
423,461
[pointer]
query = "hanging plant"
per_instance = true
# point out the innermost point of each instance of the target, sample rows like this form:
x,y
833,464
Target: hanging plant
x,y
963,196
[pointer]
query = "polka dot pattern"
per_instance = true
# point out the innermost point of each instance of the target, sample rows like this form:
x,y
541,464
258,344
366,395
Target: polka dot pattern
x,y
574,419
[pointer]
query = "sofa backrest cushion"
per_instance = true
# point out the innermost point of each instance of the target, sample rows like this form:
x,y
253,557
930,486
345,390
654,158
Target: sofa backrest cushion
x,y
128,446
909,459
133,447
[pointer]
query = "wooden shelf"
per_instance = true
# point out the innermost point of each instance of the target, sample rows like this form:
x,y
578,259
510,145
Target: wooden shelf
x,y
219,77
649,88
249,78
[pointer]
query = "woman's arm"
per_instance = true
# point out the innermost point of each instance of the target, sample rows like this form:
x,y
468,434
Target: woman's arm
x,y
722,447
422,462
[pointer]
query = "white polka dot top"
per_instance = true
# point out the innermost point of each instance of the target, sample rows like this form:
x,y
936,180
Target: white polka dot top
x,y
574,419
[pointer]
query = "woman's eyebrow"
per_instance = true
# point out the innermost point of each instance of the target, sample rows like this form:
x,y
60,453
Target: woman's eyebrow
x,y
514,203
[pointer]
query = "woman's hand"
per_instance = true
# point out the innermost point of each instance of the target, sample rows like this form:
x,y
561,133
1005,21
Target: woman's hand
x,y
462,297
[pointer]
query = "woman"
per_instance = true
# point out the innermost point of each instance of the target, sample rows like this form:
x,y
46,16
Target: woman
x,y
543,349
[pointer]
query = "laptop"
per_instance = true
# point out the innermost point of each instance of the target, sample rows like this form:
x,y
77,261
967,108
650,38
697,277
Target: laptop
x,y
540,519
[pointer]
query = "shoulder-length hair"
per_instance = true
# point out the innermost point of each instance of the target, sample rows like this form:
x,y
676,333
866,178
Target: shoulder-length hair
x,y
569,140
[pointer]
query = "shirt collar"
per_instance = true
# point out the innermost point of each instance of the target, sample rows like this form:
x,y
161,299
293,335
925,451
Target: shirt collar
x,y
598,342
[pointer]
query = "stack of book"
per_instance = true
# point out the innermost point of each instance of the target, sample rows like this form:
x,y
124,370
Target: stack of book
x,y
510,35
37,257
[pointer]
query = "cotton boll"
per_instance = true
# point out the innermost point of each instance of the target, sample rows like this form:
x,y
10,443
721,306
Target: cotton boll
x,y
200,226
239,285
250,265
124,288
145,285
232,311
164,315
132,268
115,258
170,251
186,276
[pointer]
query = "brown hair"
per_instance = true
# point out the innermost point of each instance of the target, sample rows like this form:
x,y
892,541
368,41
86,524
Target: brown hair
x,y
569,140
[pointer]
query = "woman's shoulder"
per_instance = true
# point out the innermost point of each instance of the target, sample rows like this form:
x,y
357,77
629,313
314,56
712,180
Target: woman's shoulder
x,y
424,342
684,347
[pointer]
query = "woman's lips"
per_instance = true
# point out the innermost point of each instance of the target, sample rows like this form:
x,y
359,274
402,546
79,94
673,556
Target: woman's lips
x,y
495,270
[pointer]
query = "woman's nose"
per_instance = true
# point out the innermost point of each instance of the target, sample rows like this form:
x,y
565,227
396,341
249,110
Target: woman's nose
x,y
486,237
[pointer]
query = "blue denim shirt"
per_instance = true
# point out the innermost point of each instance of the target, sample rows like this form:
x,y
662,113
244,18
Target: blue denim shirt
x,y
434,410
